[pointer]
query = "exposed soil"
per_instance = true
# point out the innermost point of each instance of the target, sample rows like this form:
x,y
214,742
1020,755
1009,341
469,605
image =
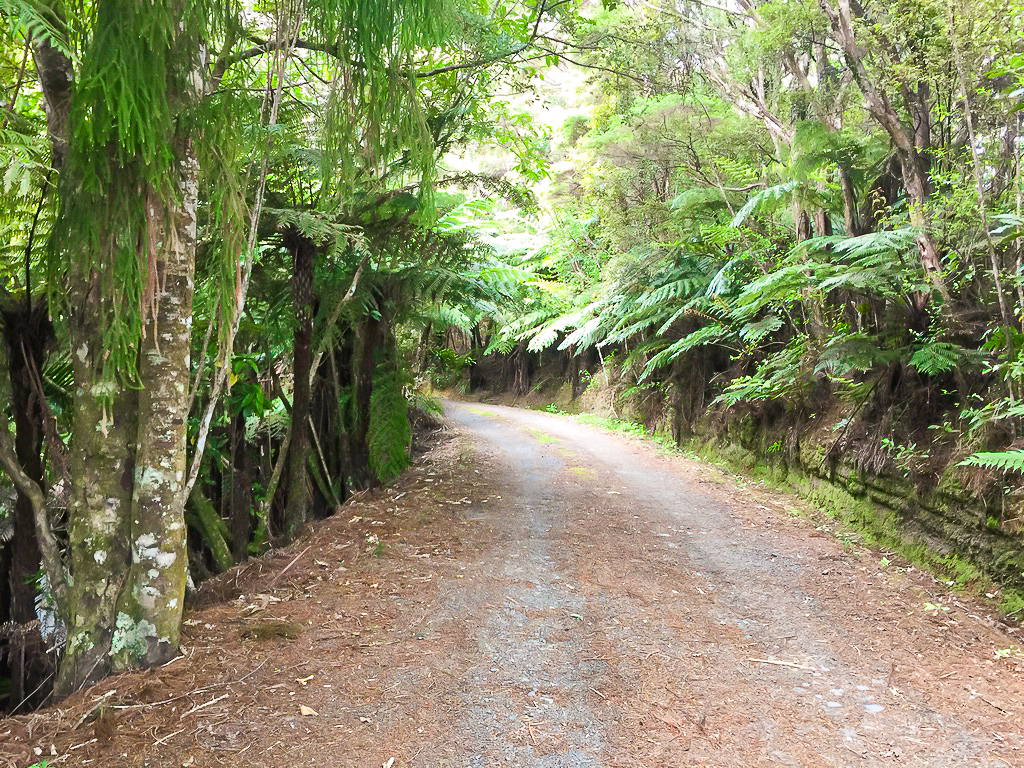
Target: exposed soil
x,y
535,592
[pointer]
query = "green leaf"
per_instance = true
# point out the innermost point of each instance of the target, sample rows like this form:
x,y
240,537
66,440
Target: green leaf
x,y
1007,461
938,357
710,334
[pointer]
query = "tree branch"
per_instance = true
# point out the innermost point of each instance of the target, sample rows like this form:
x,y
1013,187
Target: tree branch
x,y
53,563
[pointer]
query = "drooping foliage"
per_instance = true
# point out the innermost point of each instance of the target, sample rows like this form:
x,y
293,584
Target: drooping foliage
x,y
796,207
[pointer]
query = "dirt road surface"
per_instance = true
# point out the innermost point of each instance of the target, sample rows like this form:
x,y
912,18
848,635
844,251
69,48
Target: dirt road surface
x,y
536,592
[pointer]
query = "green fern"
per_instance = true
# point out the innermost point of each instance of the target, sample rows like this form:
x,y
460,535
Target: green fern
x,y
710,334
780,375
700,200
35,21
737,170
784,285
938,357
1007,461
390,433
752,333
855,352
1007,227
587,335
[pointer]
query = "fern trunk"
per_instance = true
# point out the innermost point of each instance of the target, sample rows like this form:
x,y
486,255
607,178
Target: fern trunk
x,y
241,490
296,510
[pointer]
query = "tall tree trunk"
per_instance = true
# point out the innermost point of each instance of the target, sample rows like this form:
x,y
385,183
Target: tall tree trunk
x,y
56,76
303,251
851,214
241,490
102,472
364,365
911,142
159,557
127,530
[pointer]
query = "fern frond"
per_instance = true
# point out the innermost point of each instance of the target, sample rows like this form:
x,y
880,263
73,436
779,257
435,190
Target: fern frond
x,y
939,357
587,335
699,200
754,332
1007,461
782,286
709,334
738,170
390,433
886,242
780,375
766,200
1007,227
855,352
34,20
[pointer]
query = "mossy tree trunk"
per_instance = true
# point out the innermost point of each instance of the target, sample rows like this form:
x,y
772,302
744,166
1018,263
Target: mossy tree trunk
x,y
368,339
127,532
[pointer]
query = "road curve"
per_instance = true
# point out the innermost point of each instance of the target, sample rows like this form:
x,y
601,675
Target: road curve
x,y
627,608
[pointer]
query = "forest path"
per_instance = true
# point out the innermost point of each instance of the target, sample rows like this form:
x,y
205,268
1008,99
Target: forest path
x,y
538,593
648,615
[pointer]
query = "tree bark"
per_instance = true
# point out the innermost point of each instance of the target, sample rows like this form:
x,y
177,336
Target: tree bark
x,y
127,531
241,490
303,252
364,365
56,78
159,556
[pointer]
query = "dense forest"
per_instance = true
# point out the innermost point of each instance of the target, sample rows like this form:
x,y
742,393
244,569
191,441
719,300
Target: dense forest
x,y
241,245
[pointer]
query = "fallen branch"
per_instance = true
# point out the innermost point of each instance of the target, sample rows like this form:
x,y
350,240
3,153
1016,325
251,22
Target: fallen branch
x,y
293,562
168,736
197,707
173,698
778,663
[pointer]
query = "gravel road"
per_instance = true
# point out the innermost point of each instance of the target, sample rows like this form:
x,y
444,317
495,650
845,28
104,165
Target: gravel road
x,y
628,608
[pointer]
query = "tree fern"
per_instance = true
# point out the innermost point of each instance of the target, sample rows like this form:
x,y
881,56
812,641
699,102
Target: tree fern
x,y
782,286
1007,227
587,335
707,201
895,242
753,332
845,354
766,200
738,170
780,375
390,434
548,334
710,334
683,287
34,20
